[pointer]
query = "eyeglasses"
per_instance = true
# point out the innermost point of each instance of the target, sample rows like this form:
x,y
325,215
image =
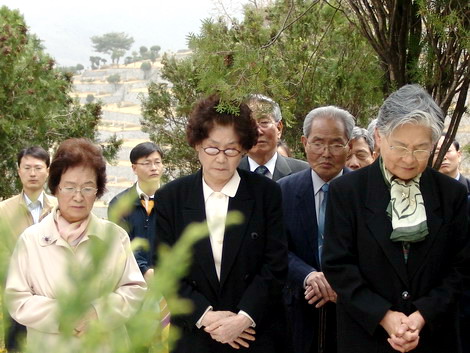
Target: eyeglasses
x,y
319,148
265,123
401,151
362,156
436,152
29,169
149,164
71,190
214,151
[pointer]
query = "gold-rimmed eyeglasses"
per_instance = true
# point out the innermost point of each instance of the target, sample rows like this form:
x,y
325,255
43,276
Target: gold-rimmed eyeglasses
x,y
318,148
265,123
401,152
85,191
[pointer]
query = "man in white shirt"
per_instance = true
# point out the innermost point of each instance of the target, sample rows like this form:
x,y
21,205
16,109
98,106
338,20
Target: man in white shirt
x,y
309,297
263,158
23,210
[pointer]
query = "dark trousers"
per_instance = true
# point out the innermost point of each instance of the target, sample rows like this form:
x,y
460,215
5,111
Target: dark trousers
x,y
464,334
15,334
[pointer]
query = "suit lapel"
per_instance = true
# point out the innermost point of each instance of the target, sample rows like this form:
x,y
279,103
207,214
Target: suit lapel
x,y
378,222
244,164
234,235
195,211
282,168
305,203
420,250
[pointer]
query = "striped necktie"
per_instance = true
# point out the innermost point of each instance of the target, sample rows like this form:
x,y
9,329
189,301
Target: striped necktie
x,y
321,220
147,204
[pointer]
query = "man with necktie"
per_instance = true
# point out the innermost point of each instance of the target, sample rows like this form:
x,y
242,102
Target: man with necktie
x,y
139,219
309,298
23,210
263,158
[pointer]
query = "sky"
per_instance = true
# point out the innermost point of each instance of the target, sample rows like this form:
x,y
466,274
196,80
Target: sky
x,y
65,26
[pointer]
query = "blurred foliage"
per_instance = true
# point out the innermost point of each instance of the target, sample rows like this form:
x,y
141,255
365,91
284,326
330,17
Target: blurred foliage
x,y
302,54
35,105
145,331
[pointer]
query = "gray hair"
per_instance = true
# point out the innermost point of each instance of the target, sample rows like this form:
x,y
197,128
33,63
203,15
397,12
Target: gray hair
x,y
410,104
359,132
274,108
331,112
371,129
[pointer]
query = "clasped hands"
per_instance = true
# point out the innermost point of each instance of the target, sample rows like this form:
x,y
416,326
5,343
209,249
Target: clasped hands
x,y
318,290
403,330
84,323
228,327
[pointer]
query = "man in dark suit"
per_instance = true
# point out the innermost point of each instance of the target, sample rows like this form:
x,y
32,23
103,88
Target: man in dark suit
x,y
309,297
139,217
451,167
451,163
263,157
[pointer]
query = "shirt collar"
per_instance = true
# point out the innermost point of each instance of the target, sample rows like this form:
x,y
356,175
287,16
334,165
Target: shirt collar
x,y
29,202
318,182
271,164
141,193
458,176
229,189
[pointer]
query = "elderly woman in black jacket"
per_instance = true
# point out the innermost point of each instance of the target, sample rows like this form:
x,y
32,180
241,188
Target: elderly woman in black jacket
x,y
395,247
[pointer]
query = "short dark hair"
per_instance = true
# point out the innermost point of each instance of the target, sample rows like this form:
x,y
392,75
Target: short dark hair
x,y
78,152
144,149
454,142
36,152
205,116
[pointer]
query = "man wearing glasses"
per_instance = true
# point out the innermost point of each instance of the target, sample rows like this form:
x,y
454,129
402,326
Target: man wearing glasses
x,y
263,157
135,213
309,297
23,210
361,153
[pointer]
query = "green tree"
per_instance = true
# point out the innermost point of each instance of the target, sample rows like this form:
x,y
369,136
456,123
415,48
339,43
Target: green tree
x,y
114,44
79,67
143,50
95,62
424,42
146,67
154,53
35,105
114,79
90,98
303,54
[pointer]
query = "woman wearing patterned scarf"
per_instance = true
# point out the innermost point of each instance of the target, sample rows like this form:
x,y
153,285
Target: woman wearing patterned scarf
x,y
396,241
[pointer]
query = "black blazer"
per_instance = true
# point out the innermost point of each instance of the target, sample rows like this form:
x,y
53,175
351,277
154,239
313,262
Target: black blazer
x,y
138,223
369,273
465,181
284,166
254,260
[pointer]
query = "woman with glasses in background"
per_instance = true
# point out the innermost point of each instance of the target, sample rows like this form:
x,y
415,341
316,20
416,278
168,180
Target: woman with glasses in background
x,y
237,272
51,257
395,245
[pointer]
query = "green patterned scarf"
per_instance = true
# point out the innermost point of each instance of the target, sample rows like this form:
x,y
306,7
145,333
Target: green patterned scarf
x,y
406,208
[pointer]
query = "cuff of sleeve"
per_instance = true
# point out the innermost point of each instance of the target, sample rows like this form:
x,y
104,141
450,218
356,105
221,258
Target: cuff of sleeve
x,y
253,324
305,279
199,322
